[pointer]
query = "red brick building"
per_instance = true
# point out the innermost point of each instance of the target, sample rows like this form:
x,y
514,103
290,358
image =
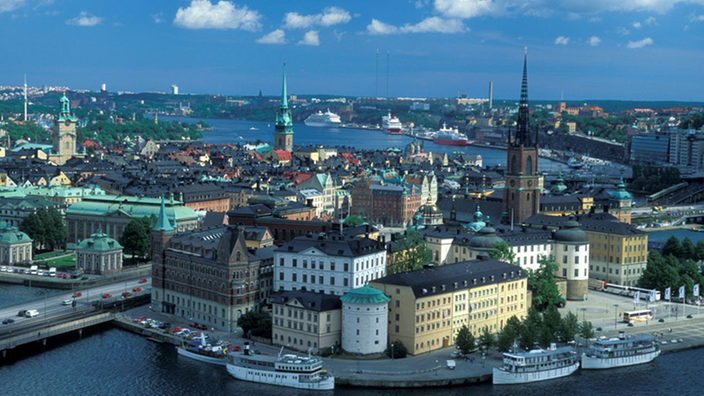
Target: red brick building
x,y
390,205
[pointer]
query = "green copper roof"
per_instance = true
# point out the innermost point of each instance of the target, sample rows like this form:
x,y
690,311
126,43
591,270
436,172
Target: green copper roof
x,y
284,124
621,194
365,295
11,235
134,207
65,113
99,241
162,222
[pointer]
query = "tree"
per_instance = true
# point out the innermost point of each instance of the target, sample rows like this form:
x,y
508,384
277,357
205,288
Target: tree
x,y
586,330
543,286
672,247
353,221
465,340
510,333
699,251
46,228
398,349
503,252
410,253
530,330
550,328
486,339
255,324
569,326
135,237
687,250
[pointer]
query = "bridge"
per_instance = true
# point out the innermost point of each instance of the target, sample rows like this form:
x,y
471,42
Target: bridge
x,y
680,194
65,313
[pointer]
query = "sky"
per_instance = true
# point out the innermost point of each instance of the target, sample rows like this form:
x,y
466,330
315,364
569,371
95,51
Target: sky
x,y
576,49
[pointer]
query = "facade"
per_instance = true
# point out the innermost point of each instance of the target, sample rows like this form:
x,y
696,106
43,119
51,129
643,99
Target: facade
x,y
365,315
305,320
391,205
99,255
15,209
283,131
428,307
523,187
620,204
64,144
15,245
328,265
572,255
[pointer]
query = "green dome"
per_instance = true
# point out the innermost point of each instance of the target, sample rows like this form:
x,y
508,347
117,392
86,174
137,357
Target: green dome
x,y
365,295
571,232
560,187
99,241
12,235
621,194
486,239
477,224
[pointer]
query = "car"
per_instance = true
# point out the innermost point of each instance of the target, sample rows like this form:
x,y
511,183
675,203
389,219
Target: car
x,y
22,312
199,326
107,295
62,276
126,294
142,281
8,321
235,348
456,354
3,269
66,302
76,294
176,329
163,325
137,289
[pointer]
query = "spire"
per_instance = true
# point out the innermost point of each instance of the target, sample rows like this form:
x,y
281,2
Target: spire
x,y
284,100
523,135
65,112
162,222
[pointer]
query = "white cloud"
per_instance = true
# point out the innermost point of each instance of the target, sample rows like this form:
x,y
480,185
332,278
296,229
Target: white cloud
x,y
595,19
84,19
202,14
310,38
158,18
329,17
427,25
562,40
468,8
573,16
278,36
650,21
594,41
623,31
636,25
640,43
10,5
696,18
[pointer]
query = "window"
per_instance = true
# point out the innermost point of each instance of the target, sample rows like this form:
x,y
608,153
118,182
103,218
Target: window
x,y
295,262
564,272
346,267
576,272
281,262
564,259
576,260
281,276
332,281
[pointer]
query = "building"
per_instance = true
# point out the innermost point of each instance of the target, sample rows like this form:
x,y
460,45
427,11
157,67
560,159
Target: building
x,y
306,321
620,203
174,89
331,265
15,245
99,255
428,307
64,144
650,148
391,205
365,315
523,187
283,131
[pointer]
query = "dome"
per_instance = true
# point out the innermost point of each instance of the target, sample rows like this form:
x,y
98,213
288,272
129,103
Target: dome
x,y
560,187
572,232
486,239
621,194
99,241
10,234
365,295
430,213
477,224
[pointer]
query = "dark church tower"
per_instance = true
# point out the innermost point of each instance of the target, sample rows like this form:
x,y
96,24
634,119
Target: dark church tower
x,y
522,192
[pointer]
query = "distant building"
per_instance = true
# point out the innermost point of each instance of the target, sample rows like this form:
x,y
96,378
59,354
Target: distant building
x,y
15,245
303,320
174,89
99,255
64,145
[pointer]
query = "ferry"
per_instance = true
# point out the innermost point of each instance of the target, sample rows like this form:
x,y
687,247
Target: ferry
x,y
202,351
302,372
621,351
323,120
450,137
391,124
536,365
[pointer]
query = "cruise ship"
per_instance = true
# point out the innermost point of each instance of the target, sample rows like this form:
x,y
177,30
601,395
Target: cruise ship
x,y
323,120
621,351
302,372
450,137
536,365
391,124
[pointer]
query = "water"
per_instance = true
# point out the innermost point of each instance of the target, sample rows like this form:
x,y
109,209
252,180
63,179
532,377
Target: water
x,y
229,131
662,236
116,362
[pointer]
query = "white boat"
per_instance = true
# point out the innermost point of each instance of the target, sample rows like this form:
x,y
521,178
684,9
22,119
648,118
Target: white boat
x,y
536,365
253,129
302,372
620,352
391,124
202,351
574,163
323,120
450,137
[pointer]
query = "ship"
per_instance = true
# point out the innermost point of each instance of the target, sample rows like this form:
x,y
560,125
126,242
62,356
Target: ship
x,y
323,120
536,365
391,124
450,137
293,371
202,351
621,351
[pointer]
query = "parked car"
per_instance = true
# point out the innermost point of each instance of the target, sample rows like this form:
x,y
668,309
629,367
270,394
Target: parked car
x,y
176,329
22,312
137,289
456,354
199,326
107,295
8,321
76,294
126,294
142,281
3,269
66,302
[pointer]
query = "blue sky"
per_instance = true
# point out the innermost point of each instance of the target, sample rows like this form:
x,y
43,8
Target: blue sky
x,y
596,49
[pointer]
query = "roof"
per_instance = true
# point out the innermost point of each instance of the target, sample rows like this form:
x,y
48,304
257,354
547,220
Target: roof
x,y
311,301
100,242
365,295
463,275
133,206
12,235
592,222
334,246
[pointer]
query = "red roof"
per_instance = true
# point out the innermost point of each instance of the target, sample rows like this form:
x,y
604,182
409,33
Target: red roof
x,y
283,155
89,143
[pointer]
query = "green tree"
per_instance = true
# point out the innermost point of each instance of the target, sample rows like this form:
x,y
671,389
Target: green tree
x,y
586,330
687,250
255,324
542,285
135,237
410,253
510,333
46,228
699,251
465,340
569,326
550,327
399,350
354,221
486,340
672,247
503,252
530,330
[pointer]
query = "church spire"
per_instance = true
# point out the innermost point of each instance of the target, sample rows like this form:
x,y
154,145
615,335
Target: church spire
x,y
284,96
162,222
283,131
523,134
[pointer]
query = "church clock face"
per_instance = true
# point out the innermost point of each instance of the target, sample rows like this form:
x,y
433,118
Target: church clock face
x,y
68,122
530,183
512,183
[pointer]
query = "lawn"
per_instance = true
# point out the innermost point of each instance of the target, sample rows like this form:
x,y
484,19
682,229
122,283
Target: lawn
x,y
67,261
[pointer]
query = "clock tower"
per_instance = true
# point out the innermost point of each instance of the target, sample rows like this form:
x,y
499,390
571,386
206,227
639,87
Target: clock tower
x,y
283,131
522,192
64,134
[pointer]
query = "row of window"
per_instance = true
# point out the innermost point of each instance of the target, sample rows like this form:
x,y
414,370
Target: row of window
x,y
626,260
628,271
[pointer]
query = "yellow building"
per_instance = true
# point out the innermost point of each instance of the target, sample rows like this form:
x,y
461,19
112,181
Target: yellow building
x,y
429,306
303,320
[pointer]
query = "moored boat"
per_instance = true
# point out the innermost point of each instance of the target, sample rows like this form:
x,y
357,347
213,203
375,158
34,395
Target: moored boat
x,y
621,351
450,137
391,124
202,351
536,365
323,120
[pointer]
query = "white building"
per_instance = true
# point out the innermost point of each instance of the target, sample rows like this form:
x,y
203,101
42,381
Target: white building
x,y
329,265
365,316
174,89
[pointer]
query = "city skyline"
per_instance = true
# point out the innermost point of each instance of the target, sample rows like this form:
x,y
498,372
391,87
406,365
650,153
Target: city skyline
x,y
633,50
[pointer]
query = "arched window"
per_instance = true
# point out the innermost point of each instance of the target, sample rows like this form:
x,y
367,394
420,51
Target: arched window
x,y
238,255
529,166
514,165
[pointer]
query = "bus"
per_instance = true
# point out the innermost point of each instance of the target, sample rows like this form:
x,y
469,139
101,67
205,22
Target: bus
x,y
641,315
630,291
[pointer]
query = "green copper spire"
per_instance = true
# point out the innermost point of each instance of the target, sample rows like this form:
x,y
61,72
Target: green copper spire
x,y
65,112
162,222
284,95
283,131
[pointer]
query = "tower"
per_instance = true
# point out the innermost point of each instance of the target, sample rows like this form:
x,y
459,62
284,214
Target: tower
x,y
620,203
64,133
522,192
283,131
160,235
25,98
